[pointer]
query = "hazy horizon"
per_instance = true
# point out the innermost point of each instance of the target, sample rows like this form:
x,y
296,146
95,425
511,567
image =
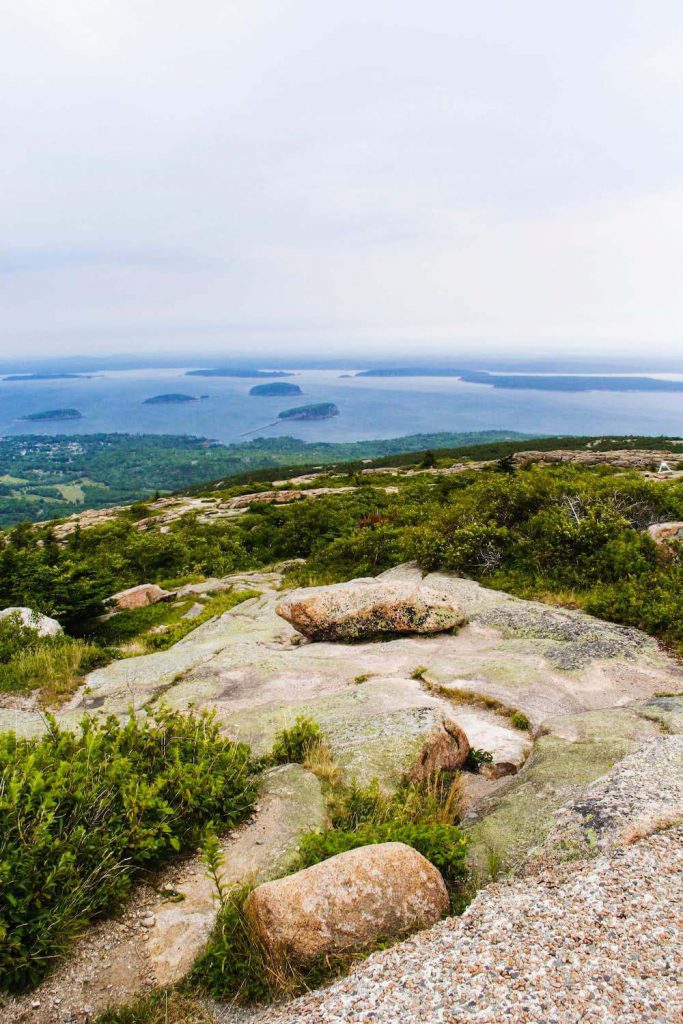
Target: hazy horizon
x,y
381,179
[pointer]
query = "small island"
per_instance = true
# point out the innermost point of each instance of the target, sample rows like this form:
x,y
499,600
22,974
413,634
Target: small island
x,y
318,411
54,414
276,389
172,399
226,371
48,376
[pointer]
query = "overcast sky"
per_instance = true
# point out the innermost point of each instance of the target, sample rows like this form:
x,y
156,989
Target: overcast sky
x,y
341,175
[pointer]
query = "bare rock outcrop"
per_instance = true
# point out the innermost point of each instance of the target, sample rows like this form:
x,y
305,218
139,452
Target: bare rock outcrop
x,y
662,533
139,597
445,749
346,903
42,624
367,608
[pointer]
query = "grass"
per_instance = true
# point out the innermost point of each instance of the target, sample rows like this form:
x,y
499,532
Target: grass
x,y
457,695
216,606
56,666
162,1007
138,623
135,622
237,966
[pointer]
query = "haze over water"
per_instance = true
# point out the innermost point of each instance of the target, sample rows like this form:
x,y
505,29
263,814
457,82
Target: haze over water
x,y
369,407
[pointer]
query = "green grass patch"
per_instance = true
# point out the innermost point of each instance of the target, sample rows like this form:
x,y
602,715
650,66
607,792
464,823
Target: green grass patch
x,y
162,1007
83,813
218,605
54,664
135,622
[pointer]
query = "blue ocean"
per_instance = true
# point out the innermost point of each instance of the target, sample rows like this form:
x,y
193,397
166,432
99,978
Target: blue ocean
x,y
113,401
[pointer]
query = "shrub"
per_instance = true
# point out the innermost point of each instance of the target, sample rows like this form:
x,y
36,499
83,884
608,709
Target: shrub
x,y
520,720
15,637
294,745
476,758
82,813
443,845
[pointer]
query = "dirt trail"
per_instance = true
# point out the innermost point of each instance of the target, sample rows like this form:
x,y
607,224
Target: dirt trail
x,y
154,942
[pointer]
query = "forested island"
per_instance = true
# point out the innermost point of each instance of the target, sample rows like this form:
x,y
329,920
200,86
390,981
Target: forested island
x,y
226,371
533,382
268,390
317,411
48,376
172,399
54,414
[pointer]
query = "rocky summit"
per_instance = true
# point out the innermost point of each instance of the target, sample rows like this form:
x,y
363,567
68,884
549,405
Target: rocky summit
x,y
577,804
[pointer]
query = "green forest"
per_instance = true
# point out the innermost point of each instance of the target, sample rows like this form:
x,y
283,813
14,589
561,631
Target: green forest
x,y
46,477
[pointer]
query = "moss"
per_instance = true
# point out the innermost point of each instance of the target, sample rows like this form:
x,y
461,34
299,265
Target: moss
x,y
520,819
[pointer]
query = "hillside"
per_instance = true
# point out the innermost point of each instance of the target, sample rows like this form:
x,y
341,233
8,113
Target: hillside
x,y
43,476
496,688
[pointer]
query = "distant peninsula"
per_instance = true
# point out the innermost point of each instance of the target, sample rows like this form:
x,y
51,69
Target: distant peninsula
x,y
318,411
534,382
49,376
226,371
276,389
172,399
54,414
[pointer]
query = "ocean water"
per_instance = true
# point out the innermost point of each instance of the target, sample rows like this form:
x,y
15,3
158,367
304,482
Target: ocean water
x,y
369,407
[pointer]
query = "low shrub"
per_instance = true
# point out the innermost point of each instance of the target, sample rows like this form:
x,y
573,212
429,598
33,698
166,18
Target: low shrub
x,y
295,744
445,846
476,758
81,813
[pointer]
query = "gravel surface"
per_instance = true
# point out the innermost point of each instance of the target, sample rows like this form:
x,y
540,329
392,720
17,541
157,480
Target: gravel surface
x,y
601,942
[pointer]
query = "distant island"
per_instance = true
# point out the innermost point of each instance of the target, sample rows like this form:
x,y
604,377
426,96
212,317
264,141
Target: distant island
x,y
54,414
318,411
227,372
276,389
533,382
49,376
172,399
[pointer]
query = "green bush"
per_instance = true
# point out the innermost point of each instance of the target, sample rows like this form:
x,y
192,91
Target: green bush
x,y
476,758
293,745
82,813
445,846
15,637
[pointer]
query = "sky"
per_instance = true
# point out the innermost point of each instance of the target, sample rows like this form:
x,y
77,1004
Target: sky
x,y
341,177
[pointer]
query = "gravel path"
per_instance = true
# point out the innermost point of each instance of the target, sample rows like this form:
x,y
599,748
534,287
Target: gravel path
x,y
602,942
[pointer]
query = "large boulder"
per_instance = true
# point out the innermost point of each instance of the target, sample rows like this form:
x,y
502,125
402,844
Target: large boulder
x,y
345,904
367,608
42,624
139,597
445,749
